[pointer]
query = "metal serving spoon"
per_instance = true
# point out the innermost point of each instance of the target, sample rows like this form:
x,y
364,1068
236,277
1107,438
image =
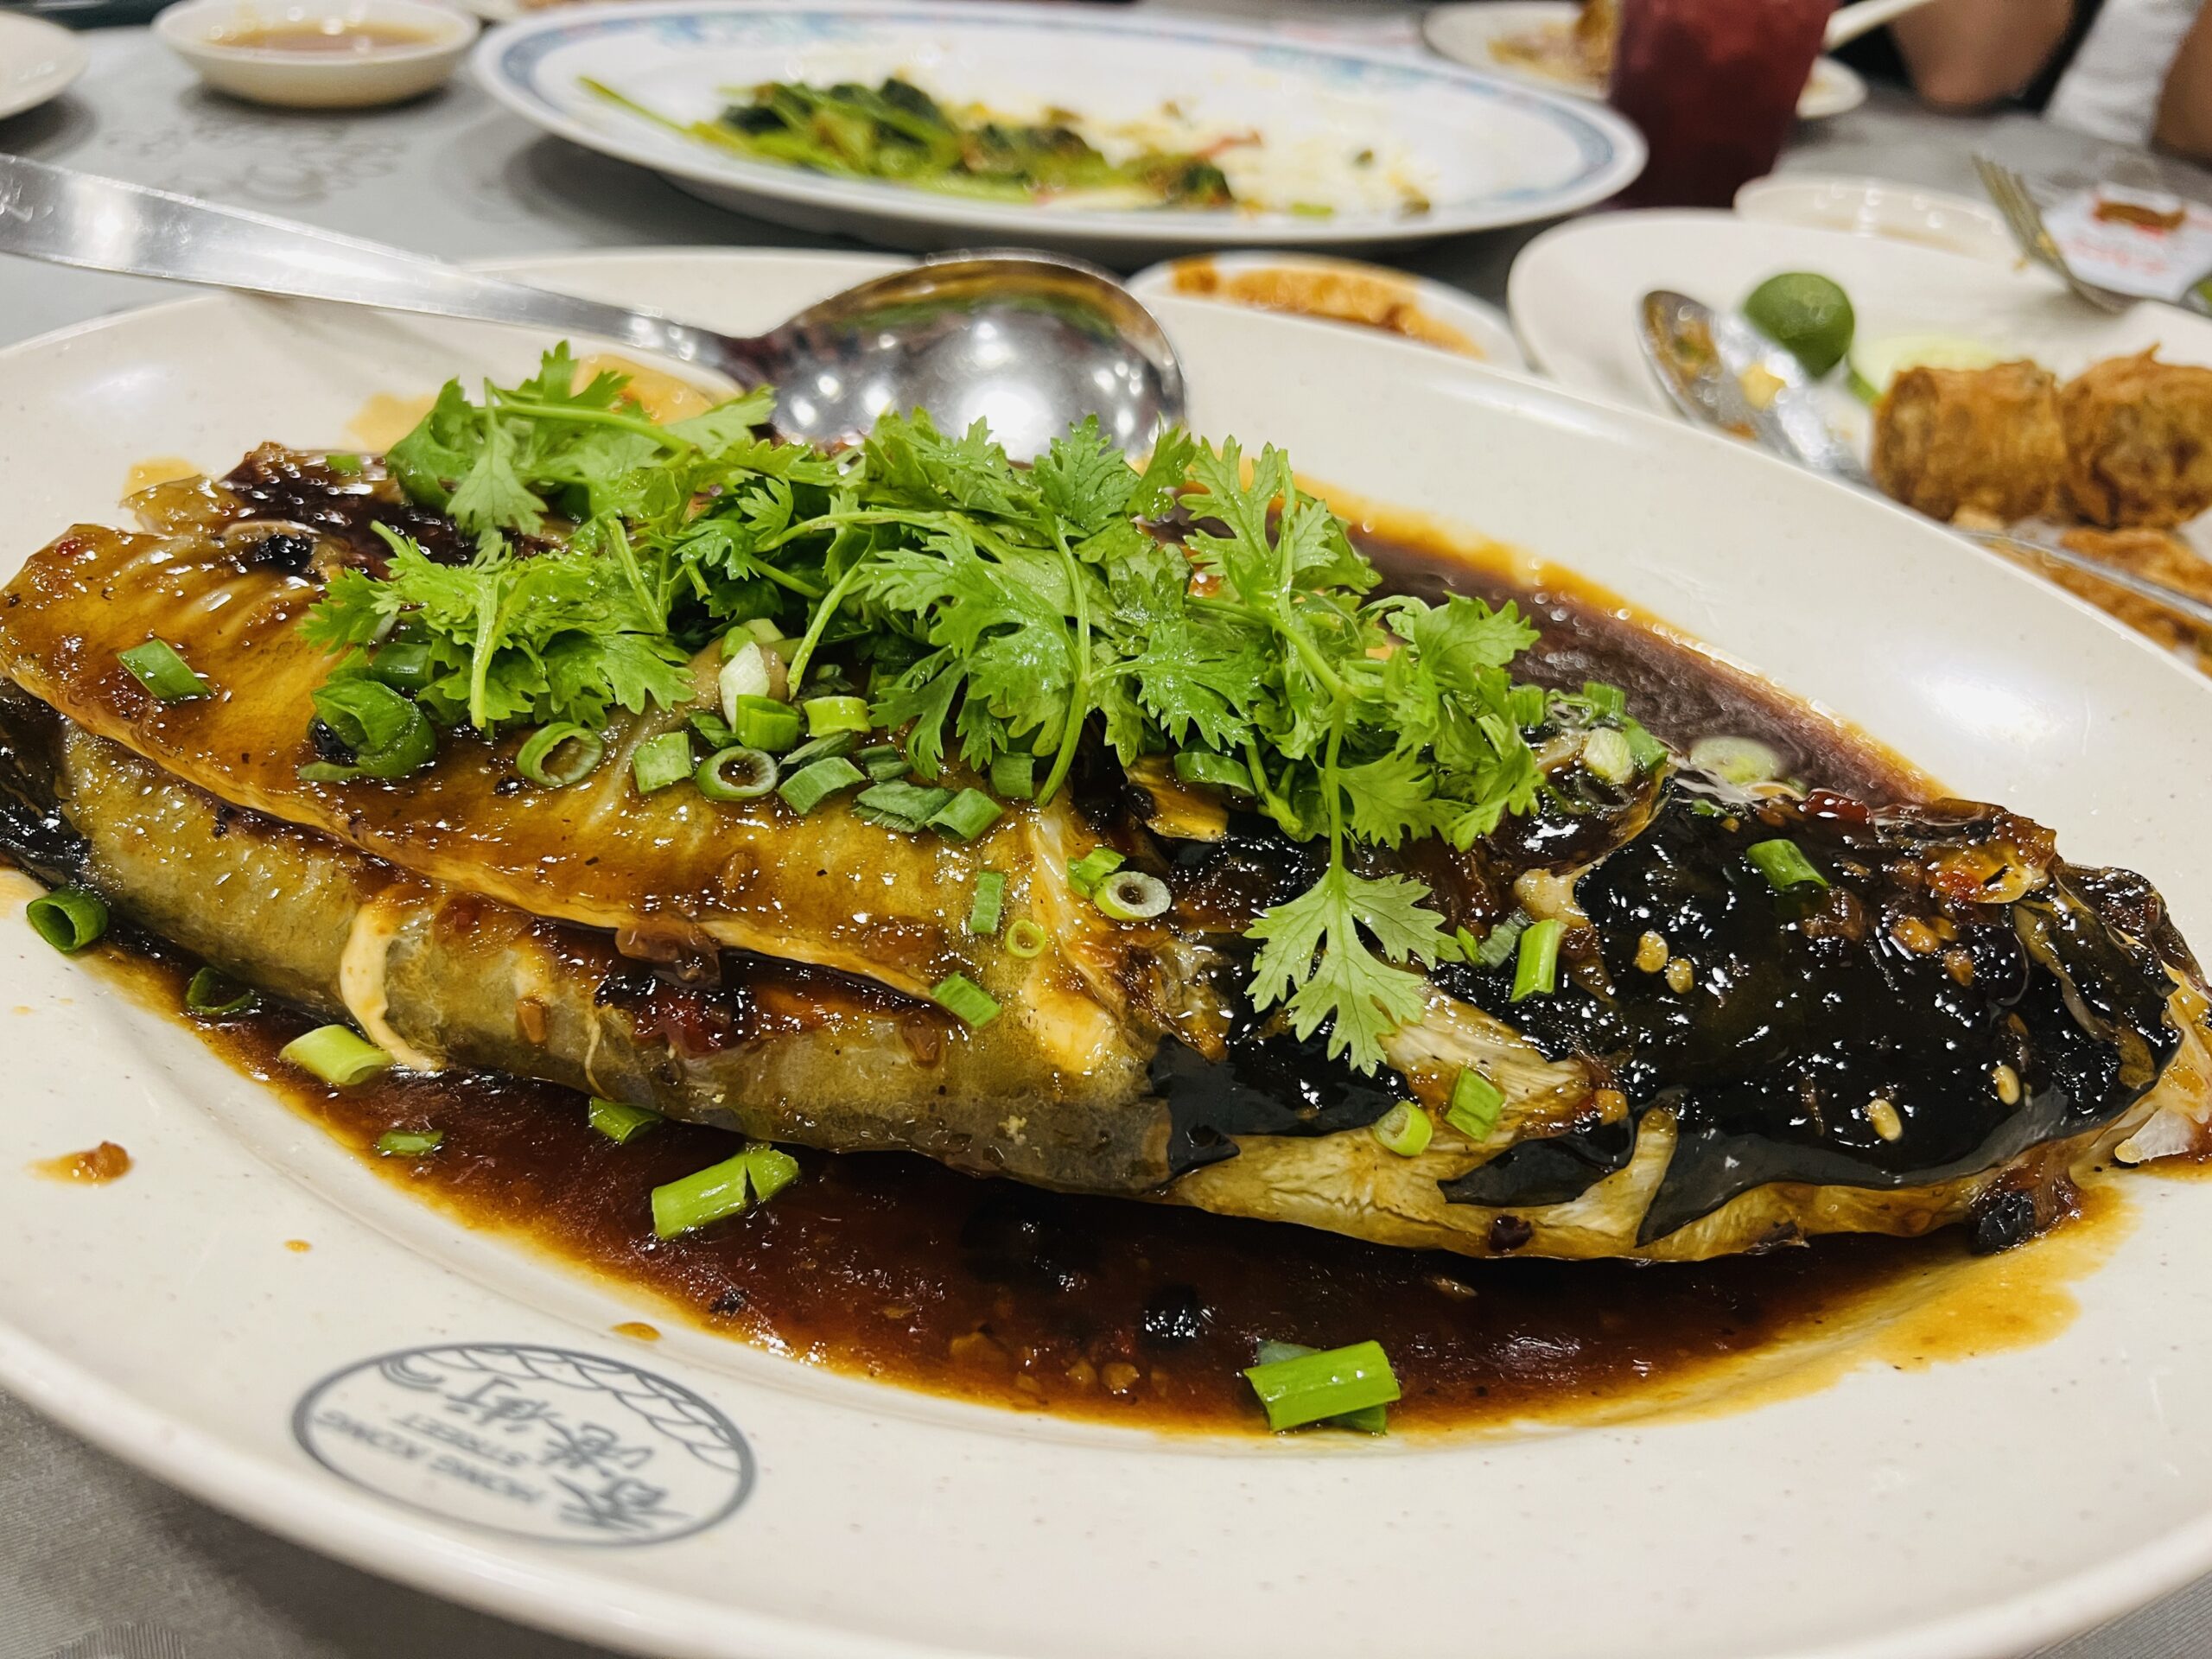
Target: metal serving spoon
x,y
1719,371
1030,342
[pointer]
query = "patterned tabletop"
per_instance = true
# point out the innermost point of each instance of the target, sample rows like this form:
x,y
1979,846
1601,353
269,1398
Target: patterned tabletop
x,y
99,1562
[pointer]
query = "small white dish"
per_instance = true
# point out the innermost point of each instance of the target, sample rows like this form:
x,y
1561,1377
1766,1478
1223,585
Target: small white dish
x,y
1871,206
1435,315
219,39
1471,31
38,59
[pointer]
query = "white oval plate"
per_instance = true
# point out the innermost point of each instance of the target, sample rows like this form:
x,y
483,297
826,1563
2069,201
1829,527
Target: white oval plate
x,y
38,59
1468,32
1484,153
1965,1512
1483,324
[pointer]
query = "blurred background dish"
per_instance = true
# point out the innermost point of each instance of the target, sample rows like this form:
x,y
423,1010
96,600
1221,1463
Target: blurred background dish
x,y
1349,292
38,59
319,54
1871,206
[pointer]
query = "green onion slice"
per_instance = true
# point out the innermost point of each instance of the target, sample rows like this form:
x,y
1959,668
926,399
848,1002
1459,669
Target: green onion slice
x,y
771,1170
1370,1420
68,918
1606,701
1739,759
738,775
1785,865
1528,705
713,731
621,1123
989,903
1131,896
1026,939
1536,969
967,815
1646,750
828,714
1217,771
902,806
958,995
337,1054
1498,945
1014,776
1607,755
409,1143
389,735
403,664
1309,1388
764,723
810,785
211,994
1094,866
758,1173
346,466
583,750
883,762
817,748
158,668
1404,1129
659,762
1477,1105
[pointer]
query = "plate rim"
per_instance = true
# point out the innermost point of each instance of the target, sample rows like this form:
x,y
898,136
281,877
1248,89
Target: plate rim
x,y
405,1547
889,203
74,56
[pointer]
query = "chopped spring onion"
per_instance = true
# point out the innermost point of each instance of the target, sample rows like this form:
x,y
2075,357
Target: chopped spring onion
x,y
810,785
957,993
759,1173
1739,759
581,751
1477,1105
760,627
344,466
1014,776
1094,866
68,918
1535,968
337,1054
156,666
1606,755
211,994
1131,896
1528,705
409,1143
713,731
620,1123
389,735
764,723
883,762
828,714
1785,865
1404,1129
745,675
1026,939
1498,945
905,807
659,761
989,904
1368,1419
1309,1388
967,815
1218,771
1606,701
1647,750
404,665
740,774
821,748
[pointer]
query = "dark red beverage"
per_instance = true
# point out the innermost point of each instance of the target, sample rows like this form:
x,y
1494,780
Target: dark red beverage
x,y
1714,86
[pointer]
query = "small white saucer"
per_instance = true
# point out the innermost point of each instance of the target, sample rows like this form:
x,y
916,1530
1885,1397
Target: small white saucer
x,y
1871,206
205,34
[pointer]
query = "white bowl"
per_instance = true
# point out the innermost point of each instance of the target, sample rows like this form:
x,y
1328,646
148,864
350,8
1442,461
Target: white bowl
x,y
1868,207
203,33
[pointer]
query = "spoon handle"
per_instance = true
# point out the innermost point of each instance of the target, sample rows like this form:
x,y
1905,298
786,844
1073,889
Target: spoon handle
x,y
69,218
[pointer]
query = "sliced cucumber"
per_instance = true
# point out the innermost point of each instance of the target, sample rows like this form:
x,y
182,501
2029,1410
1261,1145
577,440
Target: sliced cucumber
x,y
1875,363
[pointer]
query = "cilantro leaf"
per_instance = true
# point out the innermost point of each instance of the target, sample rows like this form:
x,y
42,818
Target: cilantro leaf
x,y
1315,944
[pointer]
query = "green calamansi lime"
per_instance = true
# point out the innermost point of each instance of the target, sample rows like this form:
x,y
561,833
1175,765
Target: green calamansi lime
x,y
1806,314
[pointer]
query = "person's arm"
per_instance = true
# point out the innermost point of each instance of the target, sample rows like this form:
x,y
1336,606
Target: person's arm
x,y
1963,54
2185,107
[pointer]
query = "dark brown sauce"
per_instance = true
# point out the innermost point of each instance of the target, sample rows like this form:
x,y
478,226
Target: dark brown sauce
x,y
895,1268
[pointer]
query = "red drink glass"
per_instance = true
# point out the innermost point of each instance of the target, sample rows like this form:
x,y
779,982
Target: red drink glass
x,y
1714,85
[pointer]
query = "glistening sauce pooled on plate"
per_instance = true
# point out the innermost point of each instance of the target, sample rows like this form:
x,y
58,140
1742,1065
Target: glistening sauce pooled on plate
x,y
327,37
895,1268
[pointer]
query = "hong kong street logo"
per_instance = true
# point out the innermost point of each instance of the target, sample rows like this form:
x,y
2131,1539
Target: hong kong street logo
x,y
540,1443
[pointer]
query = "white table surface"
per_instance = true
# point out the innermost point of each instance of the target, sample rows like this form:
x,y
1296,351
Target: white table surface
x,y
96,1560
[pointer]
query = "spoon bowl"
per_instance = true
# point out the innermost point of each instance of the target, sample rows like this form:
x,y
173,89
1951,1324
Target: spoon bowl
x,y
1029,343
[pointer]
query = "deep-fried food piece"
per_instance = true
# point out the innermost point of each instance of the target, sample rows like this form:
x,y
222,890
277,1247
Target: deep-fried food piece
x,y
2139,443
2157,554
1597,29
1977,440
1373,301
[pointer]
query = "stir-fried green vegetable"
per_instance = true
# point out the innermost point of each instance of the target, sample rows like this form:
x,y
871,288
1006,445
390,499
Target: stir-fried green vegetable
x,y
991,615
899,133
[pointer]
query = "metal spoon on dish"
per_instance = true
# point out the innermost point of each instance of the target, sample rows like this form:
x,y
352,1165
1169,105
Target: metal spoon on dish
x,y
1719,371
1030,342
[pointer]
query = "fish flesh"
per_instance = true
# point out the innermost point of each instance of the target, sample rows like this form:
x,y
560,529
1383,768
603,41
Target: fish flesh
x,y
1949,1028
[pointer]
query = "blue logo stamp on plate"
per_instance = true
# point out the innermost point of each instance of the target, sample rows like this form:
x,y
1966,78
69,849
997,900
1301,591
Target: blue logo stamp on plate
x,y
542,1443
